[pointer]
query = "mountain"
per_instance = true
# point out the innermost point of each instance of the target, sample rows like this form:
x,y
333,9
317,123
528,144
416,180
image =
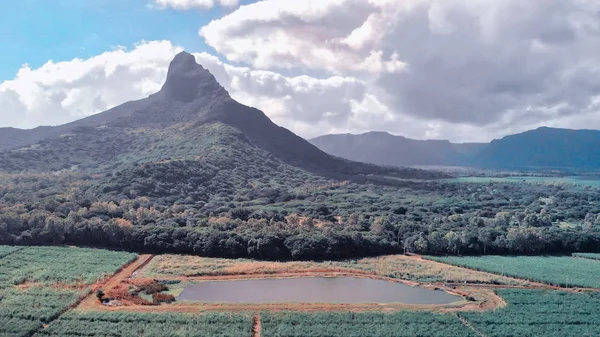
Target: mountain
x,y
543,148
192,118
382,148
188,170
540,148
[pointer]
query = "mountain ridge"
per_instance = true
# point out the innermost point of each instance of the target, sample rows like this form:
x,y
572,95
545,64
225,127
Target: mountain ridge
x,y
544,147
382,148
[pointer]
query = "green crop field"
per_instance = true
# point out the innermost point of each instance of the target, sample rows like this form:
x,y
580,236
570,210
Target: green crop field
x,y
401,324
35,281
590,256
532,313
555,270
592,181
104,324
7,250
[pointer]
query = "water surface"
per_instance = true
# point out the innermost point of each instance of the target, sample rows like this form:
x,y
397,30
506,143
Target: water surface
x,y
314,290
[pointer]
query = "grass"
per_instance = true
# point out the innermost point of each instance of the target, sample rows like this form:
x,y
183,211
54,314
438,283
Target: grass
x,y
554,270
394,266
37,284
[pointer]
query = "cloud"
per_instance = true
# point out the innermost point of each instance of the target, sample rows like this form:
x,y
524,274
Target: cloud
x,y
336,35
189,4
58,93
298,102
462,69
61,92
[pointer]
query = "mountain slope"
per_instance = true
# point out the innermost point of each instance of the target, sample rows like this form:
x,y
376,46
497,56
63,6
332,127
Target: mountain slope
x,y
171,125
382,148
543,147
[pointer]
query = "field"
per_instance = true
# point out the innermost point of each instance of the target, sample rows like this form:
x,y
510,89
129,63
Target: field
x,y
45,292
592,181
532,313
104,324
393,266
402,324
590,256
554,270
38,283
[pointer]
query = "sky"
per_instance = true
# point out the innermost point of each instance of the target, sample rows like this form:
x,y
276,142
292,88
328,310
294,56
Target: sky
x,y
463,70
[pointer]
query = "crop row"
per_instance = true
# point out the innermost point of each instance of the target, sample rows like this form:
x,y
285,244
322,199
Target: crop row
x,y
590,256
7,250
556,270
94,324
37,283
532,313
60,265
402,324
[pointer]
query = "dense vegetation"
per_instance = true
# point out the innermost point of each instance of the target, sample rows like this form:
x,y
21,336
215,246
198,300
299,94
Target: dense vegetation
x,y
206,209
556,270
37,284
532,313
401,324
190,170
105,324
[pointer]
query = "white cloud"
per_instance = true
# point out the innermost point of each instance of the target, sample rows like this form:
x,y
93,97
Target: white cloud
x,y
299,103
188,4
339,36
466,70
463,69
61,92
57,93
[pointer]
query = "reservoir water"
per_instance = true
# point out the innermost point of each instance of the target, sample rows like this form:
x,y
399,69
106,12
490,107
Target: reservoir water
x,y
314,290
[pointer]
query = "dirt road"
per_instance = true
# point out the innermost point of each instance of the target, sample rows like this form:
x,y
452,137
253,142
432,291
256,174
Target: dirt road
x,y
91,302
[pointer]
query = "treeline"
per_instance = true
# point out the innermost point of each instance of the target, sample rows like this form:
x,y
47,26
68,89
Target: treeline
x,y
279,212
275,236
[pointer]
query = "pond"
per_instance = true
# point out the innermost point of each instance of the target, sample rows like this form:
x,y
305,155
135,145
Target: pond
x,y
314,290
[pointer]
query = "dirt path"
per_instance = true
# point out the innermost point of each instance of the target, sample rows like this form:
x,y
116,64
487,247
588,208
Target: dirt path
x,y
195,308
91,302
281,275
256,327
470,326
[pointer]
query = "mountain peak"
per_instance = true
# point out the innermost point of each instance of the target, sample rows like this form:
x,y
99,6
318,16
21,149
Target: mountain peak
x,y
188,81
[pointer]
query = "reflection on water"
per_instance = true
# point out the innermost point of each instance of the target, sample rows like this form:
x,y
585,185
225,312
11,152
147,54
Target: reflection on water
x,y
314,290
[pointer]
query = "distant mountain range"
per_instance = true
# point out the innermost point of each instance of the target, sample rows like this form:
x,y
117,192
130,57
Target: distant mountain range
x,y
382,148
540,148
543,148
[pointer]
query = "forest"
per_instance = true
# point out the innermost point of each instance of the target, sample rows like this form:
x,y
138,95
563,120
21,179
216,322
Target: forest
x,y
187,207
